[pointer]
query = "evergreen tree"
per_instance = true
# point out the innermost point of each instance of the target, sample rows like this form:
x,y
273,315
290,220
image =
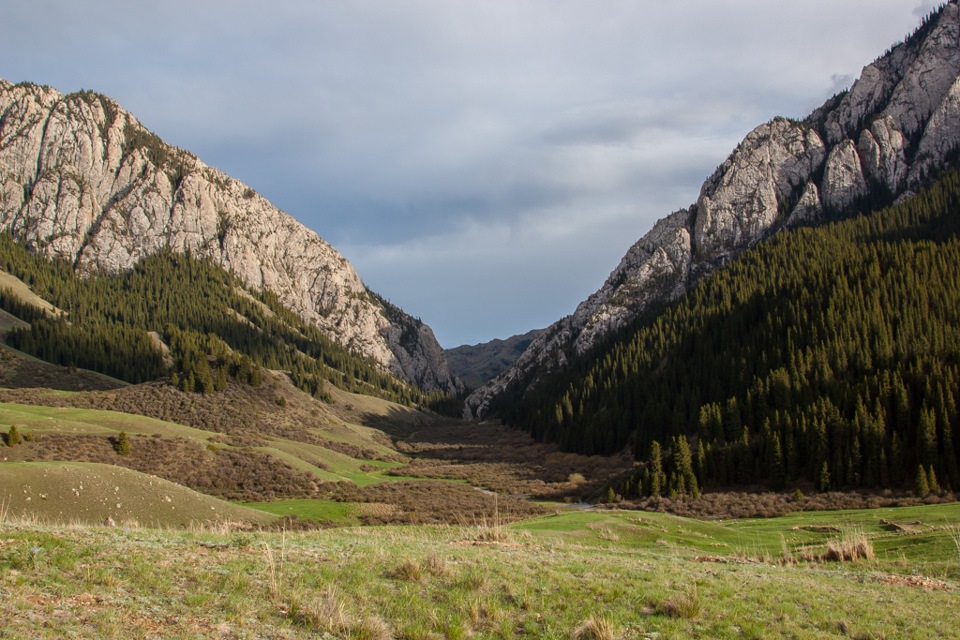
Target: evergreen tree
x,y
921,486
13,436
823,480
658,479
123,444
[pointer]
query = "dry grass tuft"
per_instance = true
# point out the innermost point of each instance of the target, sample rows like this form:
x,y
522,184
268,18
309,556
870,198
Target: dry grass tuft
x,y
325,613
853,546
436,566
372,628
594,628
407,570
686,606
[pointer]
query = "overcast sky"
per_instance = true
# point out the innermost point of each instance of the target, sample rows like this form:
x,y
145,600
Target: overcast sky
x,y
484,164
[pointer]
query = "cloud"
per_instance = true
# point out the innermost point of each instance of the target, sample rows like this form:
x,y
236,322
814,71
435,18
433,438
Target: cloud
x,y
484,164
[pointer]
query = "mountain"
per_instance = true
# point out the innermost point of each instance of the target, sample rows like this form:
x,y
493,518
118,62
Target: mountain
x,y
82,180
477,364
825,357
876,143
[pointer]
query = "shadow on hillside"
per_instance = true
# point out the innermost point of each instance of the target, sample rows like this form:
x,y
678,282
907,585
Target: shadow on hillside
x,y
20,371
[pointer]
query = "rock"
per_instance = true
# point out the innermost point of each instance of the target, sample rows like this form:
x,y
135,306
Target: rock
x,y
82,180
881,151
843,181
808,208
744,198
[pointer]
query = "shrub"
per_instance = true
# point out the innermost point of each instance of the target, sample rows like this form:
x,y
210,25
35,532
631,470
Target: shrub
x,y
13,436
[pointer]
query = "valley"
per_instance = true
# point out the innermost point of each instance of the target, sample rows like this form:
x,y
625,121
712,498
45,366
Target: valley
x,y
210,427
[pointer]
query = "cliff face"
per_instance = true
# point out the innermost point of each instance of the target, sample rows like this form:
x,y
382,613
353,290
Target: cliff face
x,y
899,123
82,180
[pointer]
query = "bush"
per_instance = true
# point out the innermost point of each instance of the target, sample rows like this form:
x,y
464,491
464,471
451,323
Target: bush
x,y
13,436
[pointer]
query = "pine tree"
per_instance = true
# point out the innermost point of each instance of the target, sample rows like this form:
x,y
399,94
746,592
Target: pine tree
x,y
823,480
932,480
123,444
13,436
921,486
658,478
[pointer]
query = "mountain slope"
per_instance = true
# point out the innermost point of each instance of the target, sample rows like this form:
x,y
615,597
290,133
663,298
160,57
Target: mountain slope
x,y
825,356
897,125
82,180
477,364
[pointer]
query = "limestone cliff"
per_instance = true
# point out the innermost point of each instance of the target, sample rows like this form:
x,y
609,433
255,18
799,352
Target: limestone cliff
x,y
81,179
897,125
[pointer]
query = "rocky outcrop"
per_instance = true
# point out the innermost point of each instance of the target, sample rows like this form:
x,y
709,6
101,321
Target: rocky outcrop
x,y
896,126
82,180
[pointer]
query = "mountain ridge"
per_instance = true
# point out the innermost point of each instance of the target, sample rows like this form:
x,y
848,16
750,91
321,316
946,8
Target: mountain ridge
x,y
82,180
879,140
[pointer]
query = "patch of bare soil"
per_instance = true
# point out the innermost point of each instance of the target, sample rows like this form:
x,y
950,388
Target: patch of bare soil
x,y
922,582
507,461
433,502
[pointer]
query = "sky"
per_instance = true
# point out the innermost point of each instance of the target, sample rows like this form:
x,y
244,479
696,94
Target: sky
x,y
483,164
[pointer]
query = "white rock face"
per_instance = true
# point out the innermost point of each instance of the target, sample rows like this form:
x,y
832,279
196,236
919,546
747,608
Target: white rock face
x,y
81,179
808,208
941,138
743,199
843,181
906,105
881,149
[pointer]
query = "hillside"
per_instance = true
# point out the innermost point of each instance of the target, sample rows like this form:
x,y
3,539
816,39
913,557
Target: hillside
x,y
98,494
897,126
82,181
181,316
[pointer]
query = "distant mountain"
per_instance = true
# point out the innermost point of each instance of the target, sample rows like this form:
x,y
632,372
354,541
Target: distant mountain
x,y
475,365
879,142
82,180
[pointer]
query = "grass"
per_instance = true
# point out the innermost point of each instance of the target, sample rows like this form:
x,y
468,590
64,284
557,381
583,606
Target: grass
x,y
20,290
553,577
324,511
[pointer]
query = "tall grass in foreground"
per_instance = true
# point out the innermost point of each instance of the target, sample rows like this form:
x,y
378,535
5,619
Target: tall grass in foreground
x,y
561,576
955,534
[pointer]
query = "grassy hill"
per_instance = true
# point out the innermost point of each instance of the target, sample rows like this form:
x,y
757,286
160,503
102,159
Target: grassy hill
x,y
93,494
573,574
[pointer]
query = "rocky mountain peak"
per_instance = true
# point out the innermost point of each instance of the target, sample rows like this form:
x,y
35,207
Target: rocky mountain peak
x,y
897,125
81,179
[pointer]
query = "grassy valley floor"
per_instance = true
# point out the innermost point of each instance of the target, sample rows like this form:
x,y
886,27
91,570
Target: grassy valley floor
x,y
593,574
